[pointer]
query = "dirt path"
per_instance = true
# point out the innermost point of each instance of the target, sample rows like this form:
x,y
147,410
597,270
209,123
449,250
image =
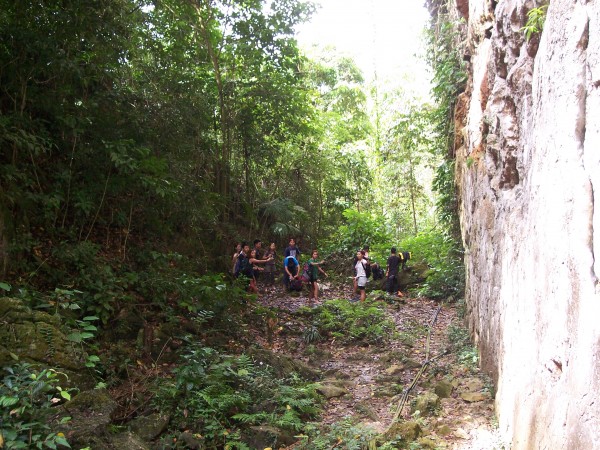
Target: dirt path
x,y
371,379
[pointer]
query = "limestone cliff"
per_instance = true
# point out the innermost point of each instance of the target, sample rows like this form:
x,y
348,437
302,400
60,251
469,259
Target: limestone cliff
x,y
528,167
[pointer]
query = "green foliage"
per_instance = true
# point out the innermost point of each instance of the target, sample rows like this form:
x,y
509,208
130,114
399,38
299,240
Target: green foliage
x,y
354,322
449,80
360,228
536,17
346,434
218,395
27,399
461,346
438,251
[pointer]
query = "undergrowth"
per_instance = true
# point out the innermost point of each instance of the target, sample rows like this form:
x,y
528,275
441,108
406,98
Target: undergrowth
x,y
353,322
218,396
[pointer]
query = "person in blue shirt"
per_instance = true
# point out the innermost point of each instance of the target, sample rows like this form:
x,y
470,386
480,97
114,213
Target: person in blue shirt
x,y
291,270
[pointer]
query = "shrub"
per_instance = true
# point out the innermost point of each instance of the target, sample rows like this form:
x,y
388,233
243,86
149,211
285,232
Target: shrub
x,y
27,399
218,395
446,275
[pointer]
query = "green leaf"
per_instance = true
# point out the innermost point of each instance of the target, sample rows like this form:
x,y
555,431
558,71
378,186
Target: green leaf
x,y
5,287
65,395
62,441
75,337
90,318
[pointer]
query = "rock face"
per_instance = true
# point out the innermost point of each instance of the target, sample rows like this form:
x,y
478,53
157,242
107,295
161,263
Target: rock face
x,y
528,168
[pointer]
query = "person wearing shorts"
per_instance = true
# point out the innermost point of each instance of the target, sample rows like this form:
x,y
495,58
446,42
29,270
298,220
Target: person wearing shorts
x,y
361,275
314,268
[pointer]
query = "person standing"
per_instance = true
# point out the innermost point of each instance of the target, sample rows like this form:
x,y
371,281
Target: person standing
x,y
258,248
256,269
360,275
314,266
292,249
270,256
234,259
393,263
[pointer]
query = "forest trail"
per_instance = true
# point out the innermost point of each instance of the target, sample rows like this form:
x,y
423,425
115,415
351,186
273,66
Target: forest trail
x,y
366,382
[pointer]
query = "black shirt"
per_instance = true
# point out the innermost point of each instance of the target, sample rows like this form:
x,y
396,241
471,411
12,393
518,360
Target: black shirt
x,y
393,263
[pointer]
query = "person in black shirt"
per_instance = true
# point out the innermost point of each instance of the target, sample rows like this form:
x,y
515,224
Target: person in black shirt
x,y
393,263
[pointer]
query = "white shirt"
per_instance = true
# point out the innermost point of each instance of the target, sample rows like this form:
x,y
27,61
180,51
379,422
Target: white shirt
x,y
360,269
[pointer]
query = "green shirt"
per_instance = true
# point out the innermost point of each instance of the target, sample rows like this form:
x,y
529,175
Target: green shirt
x,y
313,270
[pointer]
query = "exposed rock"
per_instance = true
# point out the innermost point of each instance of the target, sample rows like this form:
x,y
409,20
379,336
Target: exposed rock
x,y
426,443
474,396
444,430
426,404
90,413
191,441
149,427
394,370
330,390
528,218
473,385
461,434
34,336
283,365
411,364
405,431
126,440
263,436
443,389
364,409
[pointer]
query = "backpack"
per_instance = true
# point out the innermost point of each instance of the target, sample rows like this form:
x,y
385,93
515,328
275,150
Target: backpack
x,y
296,285
367,266
306,272
378,273
243,267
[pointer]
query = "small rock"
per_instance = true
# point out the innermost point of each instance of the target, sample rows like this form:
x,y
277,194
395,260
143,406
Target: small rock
x,y
461,434
407,431
191,441
426,404
426,443
473,384
443,389
394,369
331,391
473,396
411,364
127,440
444,430
149,427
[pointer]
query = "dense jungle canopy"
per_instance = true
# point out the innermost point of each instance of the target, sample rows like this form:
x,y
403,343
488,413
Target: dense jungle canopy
x,y
140,140
192,125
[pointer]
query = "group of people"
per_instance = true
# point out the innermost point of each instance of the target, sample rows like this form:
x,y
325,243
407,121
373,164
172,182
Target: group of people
x,y
363,266
254,264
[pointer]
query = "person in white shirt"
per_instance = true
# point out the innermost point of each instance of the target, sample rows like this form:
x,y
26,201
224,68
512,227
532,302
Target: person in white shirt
x,y
360,275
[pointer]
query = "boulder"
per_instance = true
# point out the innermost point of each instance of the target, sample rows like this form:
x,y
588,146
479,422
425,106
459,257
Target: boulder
x,y
330,390
404,431
149,427
91,413
283,365
426,404
264,436
36,337
443,389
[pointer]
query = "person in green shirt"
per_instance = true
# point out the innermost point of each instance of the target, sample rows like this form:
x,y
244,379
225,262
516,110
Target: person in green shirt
x,y
314,268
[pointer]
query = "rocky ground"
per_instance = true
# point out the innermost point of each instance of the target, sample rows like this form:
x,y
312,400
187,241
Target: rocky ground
x,y
368,382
